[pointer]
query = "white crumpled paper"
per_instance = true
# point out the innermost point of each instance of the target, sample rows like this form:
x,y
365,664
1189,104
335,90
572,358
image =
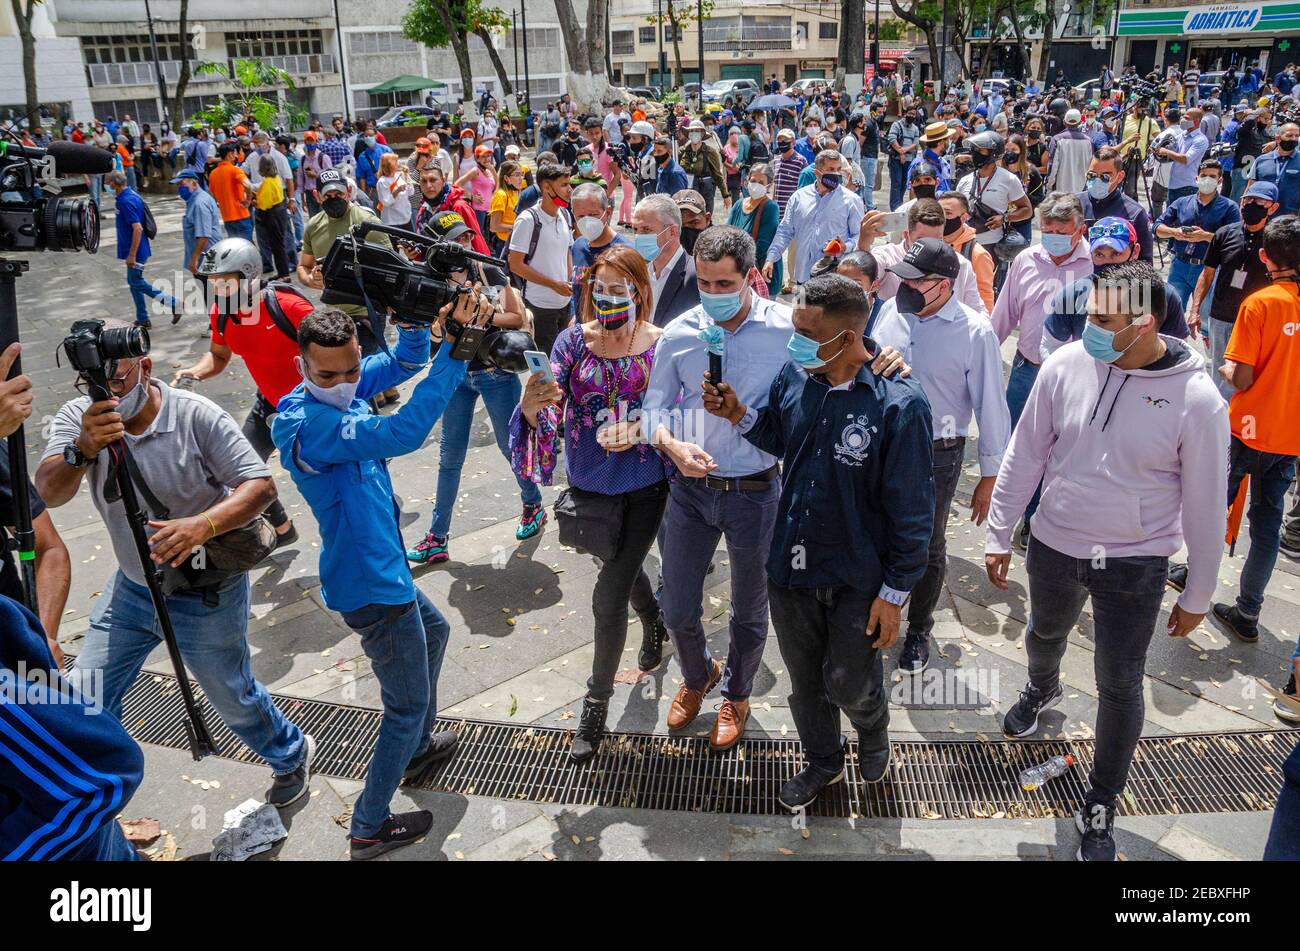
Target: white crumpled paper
x,y
249,828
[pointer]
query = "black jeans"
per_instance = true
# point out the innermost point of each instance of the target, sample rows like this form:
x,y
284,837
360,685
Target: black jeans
x,y
621,580
257,430
925,594
547,324
1126,595
832,665
272,226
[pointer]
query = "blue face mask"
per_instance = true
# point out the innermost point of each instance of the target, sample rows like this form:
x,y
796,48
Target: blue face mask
x,y
803,351
186,193
1057,245
647,245
1100,343
1098,189
720,307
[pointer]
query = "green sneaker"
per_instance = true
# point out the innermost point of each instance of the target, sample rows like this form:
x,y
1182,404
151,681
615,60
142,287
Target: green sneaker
x,y
430,551
531,521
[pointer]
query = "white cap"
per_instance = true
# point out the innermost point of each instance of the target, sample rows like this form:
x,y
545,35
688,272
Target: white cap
x,y
643,128
1072,117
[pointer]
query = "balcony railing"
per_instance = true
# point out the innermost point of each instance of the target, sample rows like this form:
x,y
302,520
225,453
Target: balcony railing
x,y
623,48
302,64
140,74
719,46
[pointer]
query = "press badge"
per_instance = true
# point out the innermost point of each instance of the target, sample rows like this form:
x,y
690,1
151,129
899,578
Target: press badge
x,y
1239,279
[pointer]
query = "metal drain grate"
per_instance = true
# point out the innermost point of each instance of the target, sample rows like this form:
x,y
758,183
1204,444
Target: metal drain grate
x,y
946,779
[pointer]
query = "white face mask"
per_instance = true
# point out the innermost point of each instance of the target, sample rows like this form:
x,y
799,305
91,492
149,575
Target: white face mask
x,y
1207,185
590,227
756,190
696,138
339,396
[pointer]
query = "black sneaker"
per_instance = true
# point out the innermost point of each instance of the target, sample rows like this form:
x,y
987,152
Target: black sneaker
x,y
1022,719
1246,629
1177,578
653,635
288,788
288,538
1287,706
798,793
916,654
441,746
1096,823
591,725
399,829
1021,540
873,754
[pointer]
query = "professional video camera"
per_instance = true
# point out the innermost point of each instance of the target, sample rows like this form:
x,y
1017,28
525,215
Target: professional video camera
x,y
93,352
357,272
1220,150
1136,86
1165,140
31,219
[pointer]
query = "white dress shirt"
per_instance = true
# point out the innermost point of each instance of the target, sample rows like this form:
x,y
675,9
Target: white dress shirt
x,y
657,281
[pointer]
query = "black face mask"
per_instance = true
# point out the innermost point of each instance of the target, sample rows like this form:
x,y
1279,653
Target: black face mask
x,y
1287,145
573,137
1253,214
335,207
923,191
784,146
951,226
661,159
910,300
1010,159
689,236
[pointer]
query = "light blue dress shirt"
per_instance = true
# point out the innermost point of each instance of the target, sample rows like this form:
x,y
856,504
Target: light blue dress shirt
x,y
202,220
813,219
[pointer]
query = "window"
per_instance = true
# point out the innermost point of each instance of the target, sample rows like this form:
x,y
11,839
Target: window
x,y
129,49
747,33
681,33
622,42
142,110
264,43
828,31
384,41
646,35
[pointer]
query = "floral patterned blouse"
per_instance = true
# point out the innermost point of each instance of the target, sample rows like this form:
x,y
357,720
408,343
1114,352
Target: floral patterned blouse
x,y
590,384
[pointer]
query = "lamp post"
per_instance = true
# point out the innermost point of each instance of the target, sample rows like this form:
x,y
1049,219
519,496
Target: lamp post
x,y
528,92
943,54
659,28
699,23
876,50
514,35
343,65
157,66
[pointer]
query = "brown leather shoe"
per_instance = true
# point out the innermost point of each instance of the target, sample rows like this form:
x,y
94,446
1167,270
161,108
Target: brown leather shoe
x,y
730,725
686,705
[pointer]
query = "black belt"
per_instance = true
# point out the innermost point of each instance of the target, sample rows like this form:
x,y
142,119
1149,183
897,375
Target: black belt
x,y
757,482
1188,260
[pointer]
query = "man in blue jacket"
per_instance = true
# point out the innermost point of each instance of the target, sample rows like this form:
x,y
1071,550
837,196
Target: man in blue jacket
x,y
337,451
852,529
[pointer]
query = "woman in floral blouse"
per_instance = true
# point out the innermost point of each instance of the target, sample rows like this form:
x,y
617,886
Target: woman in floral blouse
x,y
601,367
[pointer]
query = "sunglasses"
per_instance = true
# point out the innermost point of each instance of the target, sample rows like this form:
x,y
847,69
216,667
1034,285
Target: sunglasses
x,y
1110,231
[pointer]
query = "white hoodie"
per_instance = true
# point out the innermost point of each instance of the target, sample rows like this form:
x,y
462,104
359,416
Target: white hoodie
x,y
1132,462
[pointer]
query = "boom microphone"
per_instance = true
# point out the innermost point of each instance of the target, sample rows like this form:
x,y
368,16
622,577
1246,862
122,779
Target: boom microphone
x,y
70,158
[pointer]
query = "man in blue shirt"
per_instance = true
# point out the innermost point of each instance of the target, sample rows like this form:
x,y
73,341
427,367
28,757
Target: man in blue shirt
x,y
201,225
1190,222
1186,154
936,136
337,452
133,248
672,177
854,520
368,161
1281,166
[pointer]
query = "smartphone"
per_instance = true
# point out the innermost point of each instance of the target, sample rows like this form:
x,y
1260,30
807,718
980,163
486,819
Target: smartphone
x,y
538,362
468,342
715,368
894,221
1187,229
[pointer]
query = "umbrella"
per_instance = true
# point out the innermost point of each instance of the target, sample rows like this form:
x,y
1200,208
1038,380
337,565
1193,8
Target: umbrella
x,y
1235,513
406,84
770,103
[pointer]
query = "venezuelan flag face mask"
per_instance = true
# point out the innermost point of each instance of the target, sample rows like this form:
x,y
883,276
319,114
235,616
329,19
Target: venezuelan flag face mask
x,y
613,311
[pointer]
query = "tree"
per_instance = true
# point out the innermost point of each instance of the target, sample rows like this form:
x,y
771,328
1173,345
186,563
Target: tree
x,y
438,24
853,43
925,16
23,13
678,15
250,76
178,97
585,46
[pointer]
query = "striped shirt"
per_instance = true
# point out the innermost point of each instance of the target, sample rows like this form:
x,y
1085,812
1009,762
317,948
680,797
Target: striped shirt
x,y
786,177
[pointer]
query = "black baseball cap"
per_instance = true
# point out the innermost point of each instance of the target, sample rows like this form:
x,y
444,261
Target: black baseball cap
x,y
331,180
448,225
927,257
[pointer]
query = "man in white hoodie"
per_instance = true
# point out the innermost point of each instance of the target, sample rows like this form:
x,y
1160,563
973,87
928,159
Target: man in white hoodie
x,y
1130,439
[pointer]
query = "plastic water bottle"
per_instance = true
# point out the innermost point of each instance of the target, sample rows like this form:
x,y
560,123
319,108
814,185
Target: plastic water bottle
x,y
1035,776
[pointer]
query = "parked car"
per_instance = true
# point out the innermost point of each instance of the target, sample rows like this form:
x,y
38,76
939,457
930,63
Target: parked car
x,y
805,86
741,91
404,115
1211,81
647,92
690,90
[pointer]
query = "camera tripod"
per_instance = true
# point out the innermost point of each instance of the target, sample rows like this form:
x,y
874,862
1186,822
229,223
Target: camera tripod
x,y
23,542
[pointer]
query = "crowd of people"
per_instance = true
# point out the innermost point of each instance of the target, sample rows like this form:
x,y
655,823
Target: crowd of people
x,y
744,349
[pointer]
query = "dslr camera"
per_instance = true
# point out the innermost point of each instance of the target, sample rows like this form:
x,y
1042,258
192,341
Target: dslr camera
x,y
31,220
92,349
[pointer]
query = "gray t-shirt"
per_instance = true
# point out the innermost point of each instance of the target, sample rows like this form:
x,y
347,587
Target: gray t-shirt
x,y
192,456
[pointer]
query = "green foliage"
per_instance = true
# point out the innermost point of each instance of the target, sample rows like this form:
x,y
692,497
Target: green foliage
x,y
891,30
423,24
683,12
249,78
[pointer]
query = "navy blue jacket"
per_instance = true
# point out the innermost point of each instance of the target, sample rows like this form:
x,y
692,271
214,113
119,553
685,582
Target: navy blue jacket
x,y
857,495
67,767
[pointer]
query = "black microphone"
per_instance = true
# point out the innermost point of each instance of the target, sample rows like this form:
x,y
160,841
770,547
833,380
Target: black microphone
x,y
70,158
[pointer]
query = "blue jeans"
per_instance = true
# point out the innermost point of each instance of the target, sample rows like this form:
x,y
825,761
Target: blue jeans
x,y
214,645
243,228
1021,381
405,644
1284,834
897,183
1182,277
1270,479
500,391
130,178
1238,184
869,189
695,520
1126,594
96,188
142,288
1220,333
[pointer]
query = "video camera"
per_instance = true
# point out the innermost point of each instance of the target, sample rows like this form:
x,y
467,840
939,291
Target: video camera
x,y
31,220
92,348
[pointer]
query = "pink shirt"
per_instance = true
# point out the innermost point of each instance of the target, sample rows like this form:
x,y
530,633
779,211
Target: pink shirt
x,y
481,189
1033,282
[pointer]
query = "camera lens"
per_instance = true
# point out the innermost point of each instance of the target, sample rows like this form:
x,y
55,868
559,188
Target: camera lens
x,y
70,224
120,343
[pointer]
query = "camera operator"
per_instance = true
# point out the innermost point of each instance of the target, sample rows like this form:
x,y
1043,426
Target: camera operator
x,y
336,450
1106,195
191,457
1186,153
257,322
53,566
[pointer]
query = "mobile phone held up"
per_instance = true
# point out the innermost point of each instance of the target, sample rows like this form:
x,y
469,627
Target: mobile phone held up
x,y
538,362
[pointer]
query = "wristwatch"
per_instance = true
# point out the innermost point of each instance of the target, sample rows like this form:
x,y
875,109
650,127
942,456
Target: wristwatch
x,y
74,457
